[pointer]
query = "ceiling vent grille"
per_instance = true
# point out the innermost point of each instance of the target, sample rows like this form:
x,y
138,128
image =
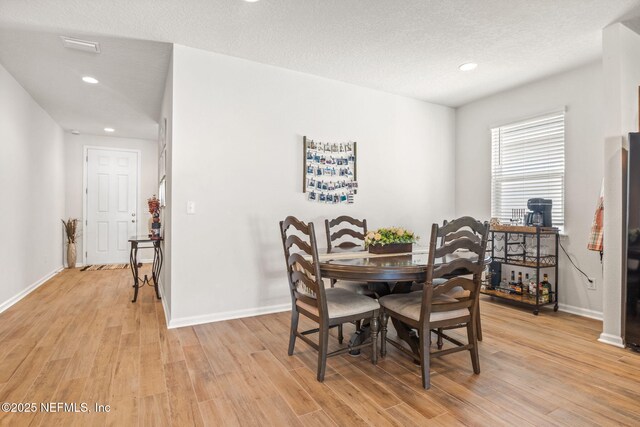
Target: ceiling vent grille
x,y
83,45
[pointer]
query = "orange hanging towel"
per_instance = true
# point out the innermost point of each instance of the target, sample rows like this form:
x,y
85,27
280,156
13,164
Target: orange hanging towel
x,y
595,238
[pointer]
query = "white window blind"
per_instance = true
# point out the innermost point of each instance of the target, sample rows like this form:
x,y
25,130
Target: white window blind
x,y
527,160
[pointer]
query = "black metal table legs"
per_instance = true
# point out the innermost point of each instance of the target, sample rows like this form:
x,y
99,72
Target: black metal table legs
x,y
155,268
133,263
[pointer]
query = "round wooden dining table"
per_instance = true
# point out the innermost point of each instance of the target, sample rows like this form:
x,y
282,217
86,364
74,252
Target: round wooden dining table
x,y
384,273
364,267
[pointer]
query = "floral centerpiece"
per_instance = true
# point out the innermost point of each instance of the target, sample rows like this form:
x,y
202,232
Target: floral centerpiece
x,y
390,240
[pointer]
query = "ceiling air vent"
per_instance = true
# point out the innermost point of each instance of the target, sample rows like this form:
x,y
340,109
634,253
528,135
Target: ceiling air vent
x,y
83,45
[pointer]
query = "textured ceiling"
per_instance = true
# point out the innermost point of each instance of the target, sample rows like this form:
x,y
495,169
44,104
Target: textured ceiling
x,y
408,47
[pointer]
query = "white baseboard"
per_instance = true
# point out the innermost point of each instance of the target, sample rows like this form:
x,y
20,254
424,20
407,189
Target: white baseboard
x,y
611,340
11,301
584,312
227,315
167,316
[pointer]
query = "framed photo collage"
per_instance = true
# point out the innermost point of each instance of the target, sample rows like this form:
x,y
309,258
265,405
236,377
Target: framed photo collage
x,y
330,173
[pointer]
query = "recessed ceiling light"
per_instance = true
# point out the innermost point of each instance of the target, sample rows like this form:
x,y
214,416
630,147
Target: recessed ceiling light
x,y
468,66
109,130
251,1
90,80
75,132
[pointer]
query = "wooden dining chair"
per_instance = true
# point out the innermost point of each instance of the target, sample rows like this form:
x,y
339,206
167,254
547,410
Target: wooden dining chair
x,y
432,309
344,236
460,228
327,307
345,232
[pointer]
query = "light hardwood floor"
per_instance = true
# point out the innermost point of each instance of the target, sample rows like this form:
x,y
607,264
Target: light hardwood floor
x,y
78,338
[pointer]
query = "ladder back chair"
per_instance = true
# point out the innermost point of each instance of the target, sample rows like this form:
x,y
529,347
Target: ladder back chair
x,y
354,237
461,228
432,309
349,233
345,232
327,307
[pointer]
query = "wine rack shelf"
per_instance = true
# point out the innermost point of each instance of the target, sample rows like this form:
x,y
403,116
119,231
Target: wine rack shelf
x,y
533,248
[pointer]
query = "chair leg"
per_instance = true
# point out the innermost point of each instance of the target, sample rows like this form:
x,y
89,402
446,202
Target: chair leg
x,y
383,336
478,324
358,325
440,340
374,339
473,340
323,342
340,336
294,329
425,358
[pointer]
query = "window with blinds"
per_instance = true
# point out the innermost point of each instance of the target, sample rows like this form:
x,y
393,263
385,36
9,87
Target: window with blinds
x,y
527,160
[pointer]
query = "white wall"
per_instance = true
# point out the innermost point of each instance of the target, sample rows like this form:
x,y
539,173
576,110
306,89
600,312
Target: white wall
x,y
74,160
581,91
32,193
621,62
167,113
237,149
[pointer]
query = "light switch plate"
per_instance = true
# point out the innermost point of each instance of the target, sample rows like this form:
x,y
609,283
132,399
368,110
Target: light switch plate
x,y
191,207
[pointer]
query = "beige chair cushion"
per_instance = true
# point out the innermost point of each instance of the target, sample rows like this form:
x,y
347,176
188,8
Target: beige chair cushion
x,y
355,287
409,305
341,303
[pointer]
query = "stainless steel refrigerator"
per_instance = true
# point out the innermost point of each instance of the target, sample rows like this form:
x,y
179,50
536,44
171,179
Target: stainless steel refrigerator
x,y
632,289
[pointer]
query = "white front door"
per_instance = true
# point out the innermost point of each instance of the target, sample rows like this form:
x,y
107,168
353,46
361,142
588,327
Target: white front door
x,y
111,212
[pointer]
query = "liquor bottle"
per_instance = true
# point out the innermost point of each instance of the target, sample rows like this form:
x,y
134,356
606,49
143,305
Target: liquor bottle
x,y
546,287
519,284
533,285
525,285
513,276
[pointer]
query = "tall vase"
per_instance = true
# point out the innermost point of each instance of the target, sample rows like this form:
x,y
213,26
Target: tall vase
x,y
71,255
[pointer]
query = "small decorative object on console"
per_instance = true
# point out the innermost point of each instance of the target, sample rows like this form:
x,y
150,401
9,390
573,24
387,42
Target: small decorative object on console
x,y
154,210
390,240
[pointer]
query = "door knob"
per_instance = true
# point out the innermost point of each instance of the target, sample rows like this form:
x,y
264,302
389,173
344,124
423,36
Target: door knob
x,y
133,214
133,220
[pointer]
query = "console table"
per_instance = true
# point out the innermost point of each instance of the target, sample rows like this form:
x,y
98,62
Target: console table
x,y
142,242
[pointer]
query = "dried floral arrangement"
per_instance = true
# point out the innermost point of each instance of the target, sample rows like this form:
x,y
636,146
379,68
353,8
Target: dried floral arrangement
x,y
71,229
154,205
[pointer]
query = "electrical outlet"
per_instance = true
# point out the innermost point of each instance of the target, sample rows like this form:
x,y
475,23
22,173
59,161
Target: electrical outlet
x,y
591,285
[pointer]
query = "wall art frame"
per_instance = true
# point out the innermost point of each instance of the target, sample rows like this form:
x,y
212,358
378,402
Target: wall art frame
x,y
330,171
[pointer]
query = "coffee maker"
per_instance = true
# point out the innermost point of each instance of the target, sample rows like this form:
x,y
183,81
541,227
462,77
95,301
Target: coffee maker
x,y
539,212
